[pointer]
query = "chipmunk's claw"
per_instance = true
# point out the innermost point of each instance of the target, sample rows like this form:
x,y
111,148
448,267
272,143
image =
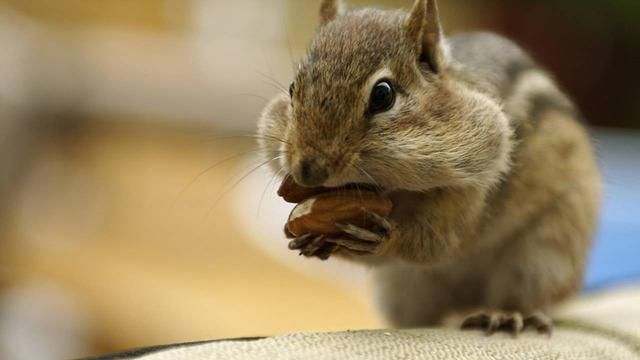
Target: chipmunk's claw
x,y
359,241
513,323
313,246
491,322
355,246
381,222
323,247
300,242
361,234
539,321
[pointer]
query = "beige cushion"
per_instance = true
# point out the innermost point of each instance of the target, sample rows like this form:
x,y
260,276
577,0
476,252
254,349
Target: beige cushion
x,y
598,327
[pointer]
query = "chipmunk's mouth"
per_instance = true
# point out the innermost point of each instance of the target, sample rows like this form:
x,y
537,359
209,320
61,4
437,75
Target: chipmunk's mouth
x,y
294,193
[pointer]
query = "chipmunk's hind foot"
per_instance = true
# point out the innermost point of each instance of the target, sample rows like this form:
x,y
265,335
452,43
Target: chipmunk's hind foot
x,y
510,322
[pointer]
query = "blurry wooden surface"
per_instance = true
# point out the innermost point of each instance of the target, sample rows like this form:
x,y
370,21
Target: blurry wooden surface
x,y
160,15
118,217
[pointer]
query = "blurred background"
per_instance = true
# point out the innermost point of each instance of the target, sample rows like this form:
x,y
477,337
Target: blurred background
x,y
121,223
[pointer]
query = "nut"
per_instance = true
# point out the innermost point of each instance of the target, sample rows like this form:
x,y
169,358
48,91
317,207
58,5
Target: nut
x,y
319,214
293,193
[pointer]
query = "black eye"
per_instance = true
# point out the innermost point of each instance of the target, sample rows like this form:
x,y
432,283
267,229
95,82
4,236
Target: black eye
x,y
382,97
291,88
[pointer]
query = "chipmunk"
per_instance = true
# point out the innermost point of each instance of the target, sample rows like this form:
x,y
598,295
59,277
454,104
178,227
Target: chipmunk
x,y
493,178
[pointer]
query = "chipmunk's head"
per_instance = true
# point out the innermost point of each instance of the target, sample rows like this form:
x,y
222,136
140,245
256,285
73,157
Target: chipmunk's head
x,y
374,101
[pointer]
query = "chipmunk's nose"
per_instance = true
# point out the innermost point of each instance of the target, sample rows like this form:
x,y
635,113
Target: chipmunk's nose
x,y
309,173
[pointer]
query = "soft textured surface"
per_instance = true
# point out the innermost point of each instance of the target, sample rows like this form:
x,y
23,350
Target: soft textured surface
x,y
417,344
600,327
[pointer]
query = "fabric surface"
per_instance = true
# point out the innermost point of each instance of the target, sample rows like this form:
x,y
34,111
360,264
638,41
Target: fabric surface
x,y
600,327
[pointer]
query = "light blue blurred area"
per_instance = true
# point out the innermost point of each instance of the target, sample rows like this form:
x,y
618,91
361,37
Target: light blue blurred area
x,y
616,253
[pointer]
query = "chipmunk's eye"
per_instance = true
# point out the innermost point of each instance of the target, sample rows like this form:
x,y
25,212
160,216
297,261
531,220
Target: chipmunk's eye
x,y
382,97
291,88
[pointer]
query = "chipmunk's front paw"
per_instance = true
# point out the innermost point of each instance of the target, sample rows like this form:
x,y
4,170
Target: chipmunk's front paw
x,y
313,246
513,322
353,240
323,247
364,241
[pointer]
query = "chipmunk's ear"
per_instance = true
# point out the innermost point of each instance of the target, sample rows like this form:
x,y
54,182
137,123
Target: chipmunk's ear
x,y
329,9
423,26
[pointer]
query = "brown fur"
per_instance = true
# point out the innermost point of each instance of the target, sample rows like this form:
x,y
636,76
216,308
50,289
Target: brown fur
x,y
495,187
